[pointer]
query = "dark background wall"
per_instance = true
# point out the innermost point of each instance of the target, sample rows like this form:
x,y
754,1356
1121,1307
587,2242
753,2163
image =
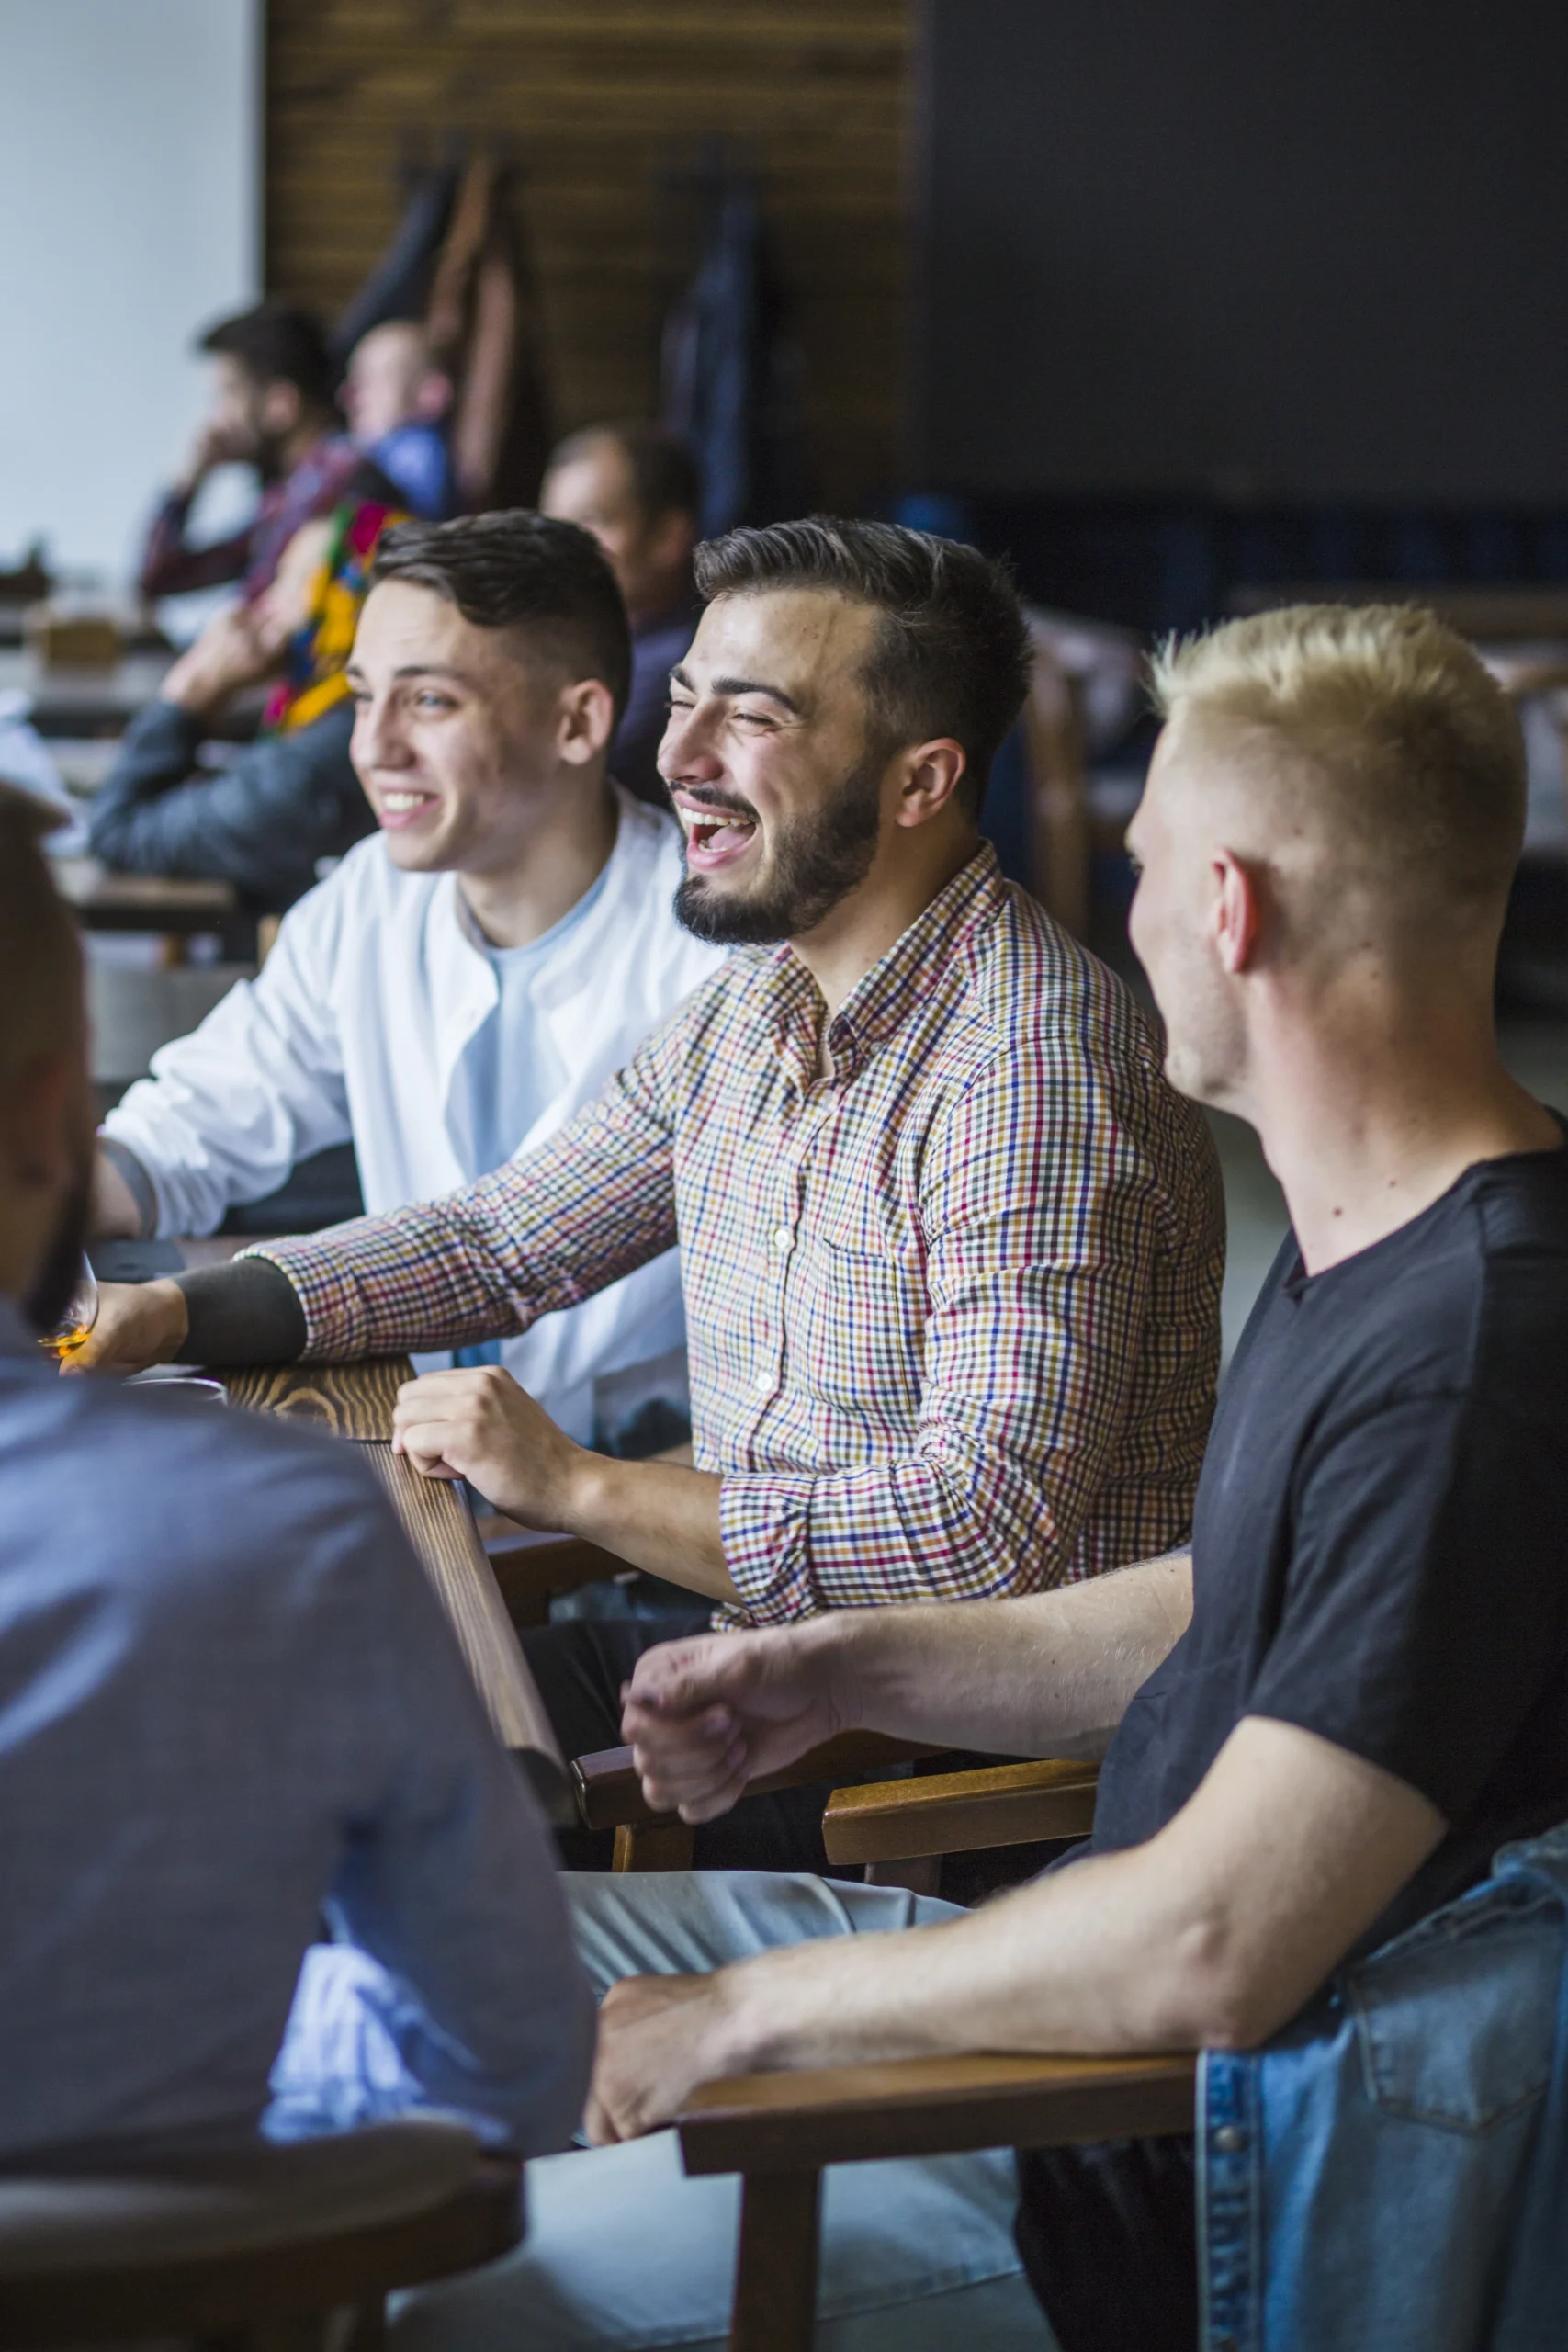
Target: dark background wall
x,y
1308,250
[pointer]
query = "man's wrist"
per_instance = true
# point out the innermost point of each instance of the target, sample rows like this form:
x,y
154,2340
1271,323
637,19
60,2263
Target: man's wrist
x,y
822,1648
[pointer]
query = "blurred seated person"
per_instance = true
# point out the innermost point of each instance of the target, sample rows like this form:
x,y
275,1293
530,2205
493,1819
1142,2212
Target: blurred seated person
x,y
263,820
271,406
1317,1729
158,1952
635,488
468,978
396,396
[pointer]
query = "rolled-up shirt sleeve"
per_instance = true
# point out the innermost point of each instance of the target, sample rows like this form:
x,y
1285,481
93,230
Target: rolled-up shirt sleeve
x,y
1038,1207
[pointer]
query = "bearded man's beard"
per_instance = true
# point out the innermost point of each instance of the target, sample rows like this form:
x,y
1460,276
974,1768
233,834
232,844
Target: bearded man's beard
x,y
48,1295
817,863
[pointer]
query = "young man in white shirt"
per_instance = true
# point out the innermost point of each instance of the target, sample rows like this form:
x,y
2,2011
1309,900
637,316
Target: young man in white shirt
x,y
468,976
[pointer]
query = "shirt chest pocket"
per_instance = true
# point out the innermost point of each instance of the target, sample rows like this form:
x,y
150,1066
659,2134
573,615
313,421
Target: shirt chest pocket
x,y
1456,2020
857,1325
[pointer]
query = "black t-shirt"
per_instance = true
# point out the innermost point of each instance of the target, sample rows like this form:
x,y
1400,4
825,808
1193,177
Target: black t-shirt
x,y
1380,1535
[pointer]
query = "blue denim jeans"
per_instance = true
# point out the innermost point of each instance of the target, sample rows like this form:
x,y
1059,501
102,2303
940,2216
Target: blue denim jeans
x,y
622,2249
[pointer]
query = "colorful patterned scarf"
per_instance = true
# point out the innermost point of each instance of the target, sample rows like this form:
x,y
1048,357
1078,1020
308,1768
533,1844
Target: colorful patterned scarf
x,y
314,660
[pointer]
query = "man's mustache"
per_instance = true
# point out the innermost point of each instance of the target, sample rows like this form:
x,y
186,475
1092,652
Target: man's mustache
x,y
707,798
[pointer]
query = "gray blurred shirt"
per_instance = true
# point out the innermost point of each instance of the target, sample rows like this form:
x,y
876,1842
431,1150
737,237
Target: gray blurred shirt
x,y
229,1702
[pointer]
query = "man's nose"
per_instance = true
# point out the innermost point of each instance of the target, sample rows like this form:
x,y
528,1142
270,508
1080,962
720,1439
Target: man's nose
x,y
688,752
379,738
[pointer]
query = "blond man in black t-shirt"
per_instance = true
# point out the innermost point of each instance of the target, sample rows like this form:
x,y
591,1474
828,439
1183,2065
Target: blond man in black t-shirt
x,y
1320,1725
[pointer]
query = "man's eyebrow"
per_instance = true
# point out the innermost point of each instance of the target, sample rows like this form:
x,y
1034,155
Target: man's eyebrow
x,y
679,677
417,670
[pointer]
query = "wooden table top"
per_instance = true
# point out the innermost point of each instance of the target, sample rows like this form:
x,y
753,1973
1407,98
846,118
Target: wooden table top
x,y
105,901
354,1401
84,702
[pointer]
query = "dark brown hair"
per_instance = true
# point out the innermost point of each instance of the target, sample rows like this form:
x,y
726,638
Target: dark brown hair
x,y
523,571
277,343
952,656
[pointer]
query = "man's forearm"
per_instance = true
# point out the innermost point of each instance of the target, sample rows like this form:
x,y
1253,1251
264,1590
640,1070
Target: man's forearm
x,y
657,1515
1048,1675
1211,1935
247,1312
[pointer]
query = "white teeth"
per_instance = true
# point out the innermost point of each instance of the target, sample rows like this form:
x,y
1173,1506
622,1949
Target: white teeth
x,y
397,803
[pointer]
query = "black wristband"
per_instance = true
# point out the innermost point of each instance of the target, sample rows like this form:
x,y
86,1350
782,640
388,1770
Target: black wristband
x,y
246,1312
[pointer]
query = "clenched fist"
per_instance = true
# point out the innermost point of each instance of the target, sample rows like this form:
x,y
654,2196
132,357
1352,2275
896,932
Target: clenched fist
x,y
478,1424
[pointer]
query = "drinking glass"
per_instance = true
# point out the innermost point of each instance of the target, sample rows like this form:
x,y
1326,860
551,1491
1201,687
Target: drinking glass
x,y
81,1314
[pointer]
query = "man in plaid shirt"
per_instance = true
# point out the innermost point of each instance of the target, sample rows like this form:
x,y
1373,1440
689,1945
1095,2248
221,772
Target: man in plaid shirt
x,y
952,1247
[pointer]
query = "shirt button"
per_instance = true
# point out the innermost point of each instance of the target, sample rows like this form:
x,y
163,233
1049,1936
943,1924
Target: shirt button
x,y
1230,2139
783,1236
762,1383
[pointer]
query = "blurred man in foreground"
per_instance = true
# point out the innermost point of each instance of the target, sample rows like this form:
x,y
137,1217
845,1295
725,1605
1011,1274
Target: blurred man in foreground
x,y
272,407
227,1700
1316,1730
635,487
468,978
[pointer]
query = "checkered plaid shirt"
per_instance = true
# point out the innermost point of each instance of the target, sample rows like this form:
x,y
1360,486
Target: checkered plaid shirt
x,y
953,1309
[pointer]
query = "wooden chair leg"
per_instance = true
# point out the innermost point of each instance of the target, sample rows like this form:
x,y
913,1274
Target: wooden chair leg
x,y
776,2272
654,1846
921,1873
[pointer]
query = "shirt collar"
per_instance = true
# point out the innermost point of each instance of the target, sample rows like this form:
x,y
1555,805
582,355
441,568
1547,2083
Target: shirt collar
x,y
884,998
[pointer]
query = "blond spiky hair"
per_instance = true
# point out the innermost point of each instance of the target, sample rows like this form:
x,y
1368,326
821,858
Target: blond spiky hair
x,y
1389,723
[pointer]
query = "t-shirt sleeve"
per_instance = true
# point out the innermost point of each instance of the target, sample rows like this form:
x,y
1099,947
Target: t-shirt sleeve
x,y
1425,1611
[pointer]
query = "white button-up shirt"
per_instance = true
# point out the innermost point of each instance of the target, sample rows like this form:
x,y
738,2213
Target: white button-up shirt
x,y
356,1031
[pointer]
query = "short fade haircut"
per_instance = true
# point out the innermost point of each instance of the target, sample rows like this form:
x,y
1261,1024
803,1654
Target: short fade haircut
x,y
1415,749
277,343
952,655
40,959
665,475
519,570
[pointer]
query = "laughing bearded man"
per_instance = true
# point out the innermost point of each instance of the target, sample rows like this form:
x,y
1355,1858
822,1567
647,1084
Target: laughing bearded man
x,y
951,1245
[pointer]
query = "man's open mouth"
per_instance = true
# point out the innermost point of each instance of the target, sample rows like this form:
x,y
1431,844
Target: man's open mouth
x,y
714,837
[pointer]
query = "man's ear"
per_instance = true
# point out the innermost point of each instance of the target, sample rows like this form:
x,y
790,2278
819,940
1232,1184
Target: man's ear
x,y
434,397
587,721
672,540
1237,912
930,776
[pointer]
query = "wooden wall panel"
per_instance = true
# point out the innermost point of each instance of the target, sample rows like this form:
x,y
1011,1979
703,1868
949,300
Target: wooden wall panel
x,y
601,97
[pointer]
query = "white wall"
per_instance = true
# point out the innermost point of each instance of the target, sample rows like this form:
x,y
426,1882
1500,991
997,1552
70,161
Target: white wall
x,y
130,216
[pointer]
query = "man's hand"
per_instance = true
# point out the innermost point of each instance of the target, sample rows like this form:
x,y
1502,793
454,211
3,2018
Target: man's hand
x,y
659,2037
708,1715
216,444
479,1425
139,1324
238,647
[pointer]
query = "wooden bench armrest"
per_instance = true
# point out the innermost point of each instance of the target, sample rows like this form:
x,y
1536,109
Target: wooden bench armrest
x,y
927,2106
609,1794
960,1813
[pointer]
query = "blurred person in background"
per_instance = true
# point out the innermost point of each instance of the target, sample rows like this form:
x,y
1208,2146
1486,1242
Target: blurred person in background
x,y
272,406
636,487
289,799
396,397
467,981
